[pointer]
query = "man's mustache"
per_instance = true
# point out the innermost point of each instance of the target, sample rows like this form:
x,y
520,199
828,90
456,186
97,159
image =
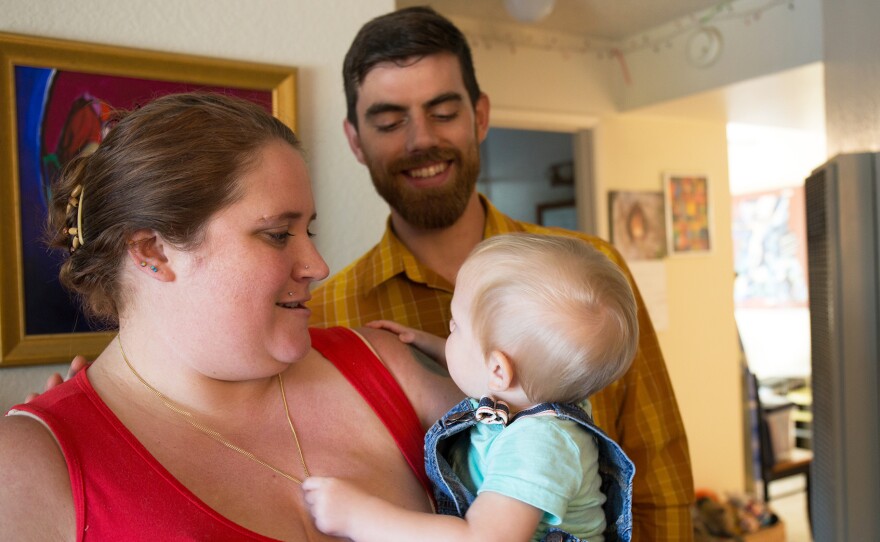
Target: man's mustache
x,y
434,154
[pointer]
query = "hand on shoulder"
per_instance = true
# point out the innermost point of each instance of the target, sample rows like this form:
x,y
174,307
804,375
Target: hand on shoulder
x,y
426,385
432,345
78,364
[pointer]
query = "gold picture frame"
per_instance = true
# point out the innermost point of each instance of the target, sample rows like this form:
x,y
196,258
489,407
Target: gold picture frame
x,y
41,62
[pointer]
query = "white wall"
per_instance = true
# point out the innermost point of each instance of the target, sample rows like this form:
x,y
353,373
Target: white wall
x,y
543,80
756,38
313,36
776,339
852,75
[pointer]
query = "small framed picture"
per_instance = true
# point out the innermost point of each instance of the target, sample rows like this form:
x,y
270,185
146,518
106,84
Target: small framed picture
x,y
688,215
637,224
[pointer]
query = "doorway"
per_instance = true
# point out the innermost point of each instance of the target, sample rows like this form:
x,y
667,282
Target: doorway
x,y
533,175
767,168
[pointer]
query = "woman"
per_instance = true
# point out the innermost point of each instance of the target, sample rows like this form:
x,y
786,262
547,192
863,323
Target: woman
x,y
189,227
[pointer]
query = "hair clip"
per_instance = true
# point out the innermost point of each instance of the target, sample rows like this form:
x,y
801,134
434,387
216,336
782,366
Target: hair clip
x,y
76,200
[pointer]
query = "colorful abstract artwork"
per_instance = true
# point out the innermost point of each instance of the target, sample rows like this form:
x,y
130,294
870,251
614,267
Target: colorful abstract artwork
x,y
60,114
687,213
770,249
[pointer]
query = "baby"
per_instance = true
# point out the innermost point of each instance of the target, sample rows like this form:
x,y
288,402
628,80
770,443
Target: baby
x,y
539,323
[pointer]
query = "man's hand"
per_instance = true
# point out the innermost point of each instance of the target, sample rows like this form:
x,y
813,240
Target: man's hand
x,y
78,364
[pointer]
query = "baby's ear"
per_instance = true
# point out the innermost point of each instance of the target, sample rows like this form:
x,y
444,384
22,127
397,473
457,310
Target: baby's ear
x,y
501,372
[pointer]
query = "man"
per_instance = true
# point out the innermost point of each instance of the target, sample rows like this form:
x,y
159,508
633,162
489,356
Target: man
x,y
416,117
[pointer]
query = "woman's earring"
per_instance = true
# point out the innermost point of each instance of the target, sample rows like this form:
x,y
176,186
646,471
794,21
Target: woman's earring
x,y
143,264
153,268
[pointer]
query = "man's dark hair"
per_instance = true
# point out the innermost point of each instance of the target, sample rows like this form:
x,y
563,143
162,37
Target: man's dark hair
x,y
402,35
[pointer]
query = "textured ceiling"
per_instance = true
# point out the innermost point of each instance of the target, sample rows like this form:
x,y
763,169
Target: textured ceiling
x,y
608,19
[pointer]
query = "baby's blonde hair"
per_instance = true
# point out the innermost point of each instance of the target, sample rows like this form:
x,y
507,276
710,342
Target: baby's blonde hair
x,y
558,308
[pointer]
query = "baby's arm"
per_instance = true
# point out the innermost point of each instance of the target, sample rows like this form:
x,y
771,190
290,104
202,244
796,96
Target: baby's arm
x,y
340,509
432,345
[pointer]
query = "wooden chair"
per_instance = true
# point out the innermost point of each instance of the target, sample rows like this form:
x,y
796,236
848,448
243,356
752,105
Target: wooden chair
x,y
772,468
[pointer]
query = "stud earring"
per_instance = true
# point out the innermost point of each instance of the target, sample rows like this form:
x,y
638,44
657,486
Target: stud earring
x,y
154,269
143,264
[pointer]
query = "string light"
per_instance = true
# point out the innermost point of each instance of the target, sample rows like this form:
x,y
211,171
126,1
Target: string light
x,y
727,10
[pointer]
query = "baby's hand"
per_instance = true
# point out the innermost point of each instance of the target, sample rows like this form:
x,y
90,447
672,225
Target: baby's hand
x,y
332,504
432,345
404,333
78,364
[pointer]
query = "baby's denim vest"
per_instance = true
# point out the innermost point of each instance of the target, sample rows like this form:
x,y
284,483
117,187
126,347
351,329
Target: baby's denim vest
x,y
615,468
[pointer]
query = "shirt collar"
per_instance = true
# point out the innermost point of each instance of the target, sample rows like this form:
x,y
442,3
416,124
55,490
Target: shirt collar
x,y
496,221
391,257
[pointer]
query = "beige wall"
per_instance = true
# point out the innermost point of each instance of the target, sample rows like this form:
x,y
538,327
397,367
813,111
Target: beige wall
x,y
700,341
630,153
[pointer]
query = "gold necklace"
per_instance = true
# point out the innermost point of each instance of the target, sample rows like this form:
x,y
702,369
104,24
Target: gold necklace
x,y
188,417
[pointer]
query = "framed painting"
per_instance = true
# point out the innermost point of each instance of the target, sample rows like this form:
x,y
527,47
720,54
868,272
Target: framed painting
x,y
637,224
688,217
770,249
55,97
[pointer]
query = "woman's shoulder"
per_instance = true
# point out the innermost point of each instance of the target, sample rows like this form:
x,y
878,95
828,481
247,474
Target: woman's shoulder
x,y
36,501
426,384
25,441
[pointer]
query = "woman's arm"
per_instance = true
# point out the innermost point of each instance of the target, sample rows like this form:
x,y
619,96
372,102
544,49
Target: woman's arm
x,y
341,509
36,502
426,384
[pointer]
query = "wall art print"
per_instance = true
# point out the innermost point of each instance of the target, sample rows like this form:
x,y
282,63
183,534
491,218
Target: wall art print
x,y
770,249
637,224
688,217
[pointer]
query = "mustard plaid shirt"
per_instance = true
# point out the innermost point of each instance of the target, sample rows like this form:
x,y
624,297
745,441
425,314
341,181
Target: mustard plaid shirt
x,y
638,411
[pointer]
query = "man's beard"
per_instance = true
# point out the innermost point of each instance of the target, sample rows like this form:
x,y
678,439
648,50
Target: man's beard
x,y
435,207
